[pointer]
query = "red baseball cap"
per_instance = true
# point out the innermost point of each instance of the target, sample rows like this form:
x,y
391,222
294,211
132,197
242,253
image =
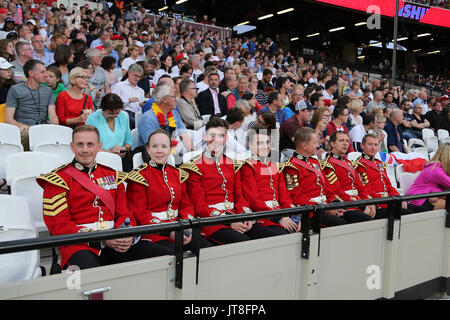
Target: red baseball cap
x,y
3,11
179,57
116,37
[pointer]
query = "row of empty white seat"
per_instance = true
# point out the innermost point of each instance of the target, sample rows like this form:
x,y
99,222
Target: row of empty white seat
x,y
16,223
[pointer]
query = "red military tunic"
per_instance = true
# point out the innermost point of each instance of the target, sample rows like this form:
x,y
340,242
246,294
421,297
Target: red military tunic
x,y
373,175
71,208
344,179
264,187
157,194
305,181
214,187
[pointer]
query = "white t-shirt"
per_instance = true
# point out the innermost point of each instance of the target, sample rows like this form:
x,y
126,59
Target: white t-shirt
x,y
127,62
201,86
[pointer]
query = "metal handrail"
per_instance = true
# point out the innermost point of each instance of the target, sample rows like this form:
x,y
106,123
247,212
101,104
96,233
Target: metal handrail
x,y
70,239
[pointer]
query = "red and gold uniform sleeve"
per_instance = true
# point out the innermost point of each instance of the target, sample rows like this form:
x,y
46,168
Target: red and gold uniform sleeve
x,y
56,212
137,198
186,209
240,202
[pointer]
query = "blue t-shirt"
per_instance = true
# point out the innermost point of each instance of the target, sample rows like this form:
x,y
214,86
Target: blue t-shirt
x,y
121,134
149,123
288,111
280,114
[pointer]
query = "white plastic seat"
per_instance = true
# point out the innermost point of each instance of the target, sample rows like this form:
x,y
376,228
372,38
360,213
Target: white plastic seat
x,y
137,160
432,143
52,139
352,156
9,143
406,180
112,160
135,135
442,134
21,172
427,133
415,141
398,171
16,224
137,119
391,175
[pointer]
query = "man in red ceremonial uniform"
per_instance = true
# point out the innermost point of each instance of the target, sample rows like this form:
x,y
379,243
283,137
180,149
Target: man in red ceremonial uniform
x,y
373,175
263,185
306,182
341,174
214,186
84,196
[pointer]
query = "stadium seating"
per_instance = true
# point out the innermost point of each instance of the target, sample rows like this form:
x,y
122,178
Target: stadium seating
x,y
137,118
109,159
442,135
135,135
407,180
9,143
53,139
137,160
21,172
427,133
16,224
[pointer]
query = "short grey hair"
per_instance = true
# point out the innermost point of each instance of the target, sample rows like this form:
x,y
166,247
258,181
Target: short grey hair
x,y
242,103
92,52
160,92
136,68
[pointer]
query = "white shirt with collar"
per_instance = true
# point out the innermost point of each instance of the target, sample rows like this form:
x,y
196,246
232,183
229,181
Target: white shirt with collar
x,y
125,91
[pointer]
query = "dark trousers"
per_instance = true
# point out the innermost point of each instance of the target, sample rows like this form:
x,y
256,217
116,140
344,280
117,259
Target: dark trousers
x,y
225,236
204,243
131,117
143,249
350,216
411,208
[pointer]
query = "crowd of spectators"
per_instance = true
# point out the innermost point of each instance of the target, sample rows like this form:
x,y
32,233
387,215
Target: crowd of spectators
x,y
434,3
71,66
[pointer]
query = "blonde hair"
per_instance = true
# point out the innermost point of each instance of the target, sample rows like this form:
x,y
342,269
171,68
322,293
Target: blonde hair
x,y
443,156
355,106
418,105
76,72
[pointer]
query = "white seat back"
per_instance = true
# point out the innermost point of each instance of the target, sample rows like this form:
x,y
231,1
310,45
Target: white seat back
x,y
135,135
398,171
21,172
406,180
352,156
52,139
112,160
432,143
16,224
427,133
206,117
137,160
9,143
391,175
44,134
442,134
137,119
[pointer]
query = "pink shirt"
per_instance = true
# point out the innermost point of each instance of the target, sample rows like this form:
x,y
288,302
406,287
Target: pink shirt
x,y
215,95
432,179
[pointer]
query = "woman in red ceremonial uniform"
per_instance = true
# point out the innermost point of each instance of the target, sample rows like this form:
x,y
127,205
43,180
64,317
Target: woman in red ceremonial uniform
x,y
262,184
157,193
84,196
